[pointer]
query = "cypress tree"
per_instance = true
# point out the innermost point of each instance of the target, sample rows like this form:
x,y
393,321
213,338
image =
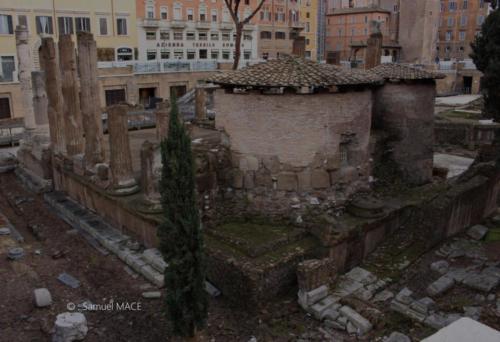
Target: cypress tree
x,y
181,241
486,56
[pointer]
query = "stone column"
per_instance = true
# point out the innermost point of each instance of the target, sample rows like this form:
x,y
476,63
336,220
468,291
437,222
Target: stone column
x,y
89,100
122,178
40,101
162,119
374,46
25,63
48,55
149,178
200,104
71,107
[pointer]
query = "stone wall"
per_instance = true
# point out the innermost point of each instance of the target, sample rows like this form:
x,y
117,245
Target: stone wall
x,y
406,113
289,149
464,134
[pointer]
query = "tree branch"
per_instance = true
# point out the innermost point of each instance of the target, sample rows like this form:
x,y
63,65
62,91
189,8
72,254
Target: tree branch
x,y
247,19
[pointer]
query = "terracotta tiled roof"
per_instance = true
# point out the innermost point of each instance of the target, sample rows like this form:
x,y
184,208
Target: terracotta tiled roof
x,y
392,71
293,72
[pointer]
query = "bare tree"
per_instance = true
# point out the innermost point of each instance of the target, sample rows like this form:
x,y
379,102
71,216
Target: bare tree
x,y
233,6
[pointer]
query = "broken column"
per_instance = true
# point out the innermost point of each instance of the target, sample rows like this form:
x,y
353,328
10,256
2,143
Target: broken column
x,y
50,64
40,101
89,100
25,67
374,46
162,119
122,178
71,107
200,101
150,177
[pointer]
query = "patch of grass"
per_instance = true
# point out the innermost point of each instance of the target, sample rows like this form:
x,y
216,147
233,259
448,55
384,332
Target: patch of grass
x,y
254,233
493,235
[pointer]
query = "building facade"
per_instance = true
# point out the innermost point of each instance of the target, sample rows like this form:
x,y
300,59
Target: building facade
x,y
460,23
112,22
310,16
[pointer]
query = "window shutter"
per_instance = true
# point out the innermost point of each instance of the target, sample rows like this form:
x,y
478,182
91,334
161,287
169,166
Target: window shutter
x,y
9,24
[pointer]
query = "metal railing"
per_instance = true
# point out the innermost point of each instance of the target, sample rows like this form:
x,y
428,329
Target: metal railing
x,y
163,66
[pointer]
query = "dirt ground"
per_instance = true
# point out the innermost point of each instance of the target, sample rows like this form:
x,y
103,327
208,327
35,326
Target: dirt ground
x,y
104,278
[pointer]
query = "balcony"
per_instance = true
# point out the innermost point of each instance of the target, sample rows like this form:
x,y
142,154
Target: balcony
x,y
227,25
150,23
178,24
249,27
297,25
203,25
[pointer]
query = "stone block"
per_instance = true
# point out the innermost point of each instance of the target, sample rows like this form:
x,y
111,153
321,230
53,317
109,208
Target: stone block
x,y
320,179
423,305
362,324
383,296
237,179
249,163
151,294
477,232
363,294
155,259
263,178
397,337
271,163
319,308
331,314
317,294
42,297
304,179
483,281
287,181
361,276
332,162
440,286
334,324
70,326
347,287
405,296
440,266
249,180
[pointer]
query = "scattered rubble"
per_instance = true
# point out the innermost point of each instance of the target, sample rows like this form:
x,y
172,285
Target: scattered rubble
x,y
397,337
477,232
43,297
15,253
69,280
151,294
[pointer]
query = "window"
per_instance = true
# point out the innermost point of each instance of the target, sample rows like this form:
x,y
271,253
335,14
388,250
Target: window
x,y
114,96
121,26
6,24
202,36
462,35
178,35
163,13
214,15
451,21
151,55
190,36
65,25
191,54
124,54
465,4
21,20
280,35
463,20
203,54
247,54
150,12
225,36
449,36
7,68
103,26
150,35
344,154
203,14
178,54
452,6
82,24
214,35
5,112
481,4
247,37
44,25
214,54
164,35
165,54
266,35
190,15
225,15
226,54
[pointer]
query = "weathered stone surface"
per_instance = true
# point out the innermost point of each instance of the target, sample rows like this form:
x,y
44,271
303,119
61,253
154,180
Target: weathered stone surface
x,y
320,307
477,232
473,312
423,305
405,296
162,114
334,324
397,337
363,294
69,280
457,274
440,286
331,314
304,179
237,179
24,67
465,330
15,253
361,276
70,326
287,181
320,179
313,273
361,323
347,287
440,266
440,320
307,299
383,296
154,257
481,281
42,297
151,294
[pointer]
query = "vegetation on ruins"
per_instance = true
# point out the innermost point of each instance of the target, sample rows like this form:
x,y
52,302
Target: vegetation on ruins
x,y
486,56
180,234
240,20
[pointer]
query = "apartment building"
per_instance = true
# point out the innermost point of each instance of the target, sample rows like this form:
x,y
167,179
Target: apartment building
x,y
460,22
310,16
348,29
112,22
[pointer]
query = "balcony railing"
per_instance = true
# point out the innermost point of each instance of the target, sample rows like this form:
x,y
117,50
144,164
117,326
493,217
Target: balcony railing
x,y
203,25
178,24
149,22
174,66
